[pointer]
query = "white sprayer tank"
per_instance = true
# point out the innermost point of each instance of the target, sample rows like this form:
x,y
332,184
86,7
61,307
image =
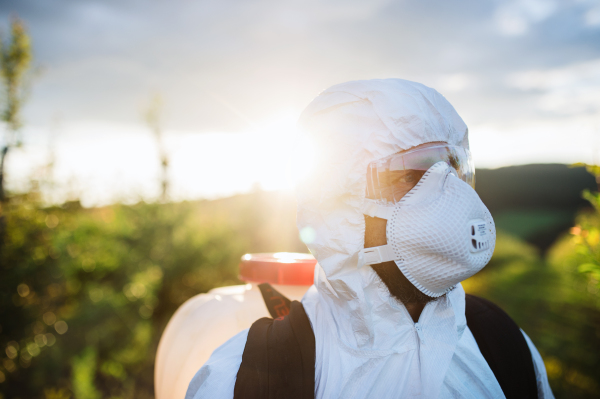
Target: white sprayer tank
x,y
206,321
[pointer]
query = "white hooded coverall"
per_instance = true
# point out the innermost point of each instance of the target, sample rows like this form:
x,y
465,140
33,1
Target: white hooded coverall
x,y
367,345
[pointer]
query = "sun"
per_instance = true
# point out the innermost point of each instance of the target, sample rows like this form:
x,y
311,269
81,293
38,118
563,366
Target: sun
x,y
283,154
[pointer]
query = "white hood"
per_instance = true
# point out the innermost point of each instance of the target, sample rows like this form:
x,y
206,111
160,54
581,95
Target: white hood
x,y
351,125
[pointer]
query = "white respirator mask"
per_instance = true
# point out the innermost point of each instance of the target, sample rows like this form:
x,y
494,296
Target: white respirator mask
x,y
439,233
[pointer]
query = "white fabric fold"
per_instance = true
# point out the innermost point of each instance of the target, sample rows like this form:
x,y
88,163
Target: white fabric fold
x,y
419,360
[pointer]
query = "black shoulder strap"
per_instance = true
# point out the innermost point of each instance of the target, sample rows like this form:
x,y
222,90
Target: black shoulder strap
x,y
277,304
279,357
503,346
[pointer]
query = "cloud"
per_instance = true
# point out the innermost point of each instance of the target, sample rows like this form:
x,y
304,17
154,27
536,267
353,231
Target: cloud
x,y
569,90
592,17
514,17
455,82
219,64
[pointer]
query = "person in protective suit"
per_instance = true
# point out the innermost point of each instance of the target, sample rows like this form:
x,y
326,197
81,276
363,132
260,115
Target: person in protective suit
x,y
397,226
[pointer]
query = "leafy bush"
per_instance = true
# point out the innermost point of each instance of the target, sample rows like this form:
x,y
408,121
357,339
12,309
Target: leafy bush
x,y
85,294
584,245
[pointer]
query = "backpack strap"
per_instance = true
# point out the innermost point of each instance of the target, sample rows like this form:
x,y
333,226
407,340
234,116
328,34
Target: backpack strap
x,y
276,303
503,346
279,356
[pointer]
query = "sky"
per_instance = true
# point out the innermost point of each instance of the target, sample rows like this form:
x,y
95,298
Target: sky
x,y
234,76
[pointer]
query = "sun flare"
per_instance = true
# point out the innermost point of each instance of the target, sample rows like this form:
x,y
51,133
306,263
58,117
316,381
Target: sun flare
x,y
282,154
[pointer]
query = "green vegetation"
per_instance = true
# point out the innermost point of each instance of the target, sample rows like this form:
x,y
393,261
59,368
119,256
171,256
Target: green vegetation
x,y
525,224
551,302
584,247
86,293
536,203
556,299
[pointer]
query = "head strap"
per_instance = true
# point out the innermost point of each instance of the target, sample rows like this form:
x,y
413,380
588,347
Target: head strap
x,y
372,208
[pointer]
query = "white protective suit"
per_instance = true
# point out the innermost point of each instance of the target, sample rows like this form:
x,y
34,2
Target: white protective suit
x,y
367,345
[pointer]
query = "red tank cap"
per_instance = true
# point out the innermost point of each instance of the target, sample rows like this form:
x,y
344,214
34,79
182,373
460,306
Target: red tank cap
x,y
285,268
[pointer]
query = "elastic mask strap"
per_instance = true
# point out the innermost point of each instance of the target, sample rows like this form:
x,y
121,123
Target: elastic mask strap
x,y
373,209
371,256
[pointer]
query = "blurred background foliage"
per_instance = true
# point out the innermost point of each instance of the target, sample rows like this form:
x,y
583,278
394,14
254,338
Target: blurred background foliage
x,y
552,291
85,293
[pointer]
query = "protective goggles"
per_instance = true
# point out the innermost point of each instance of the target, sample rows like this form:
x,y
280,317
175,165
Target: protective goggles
x,y
390,178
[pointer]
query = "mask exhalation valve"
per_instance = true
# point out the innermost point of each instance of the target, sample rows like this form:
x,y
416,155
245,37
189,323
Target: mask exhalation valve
x,y
480,237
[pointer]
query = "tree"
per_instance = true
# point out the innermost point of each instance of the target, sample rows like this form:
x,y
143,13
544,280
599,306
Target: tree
x,y
15,61
152,116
